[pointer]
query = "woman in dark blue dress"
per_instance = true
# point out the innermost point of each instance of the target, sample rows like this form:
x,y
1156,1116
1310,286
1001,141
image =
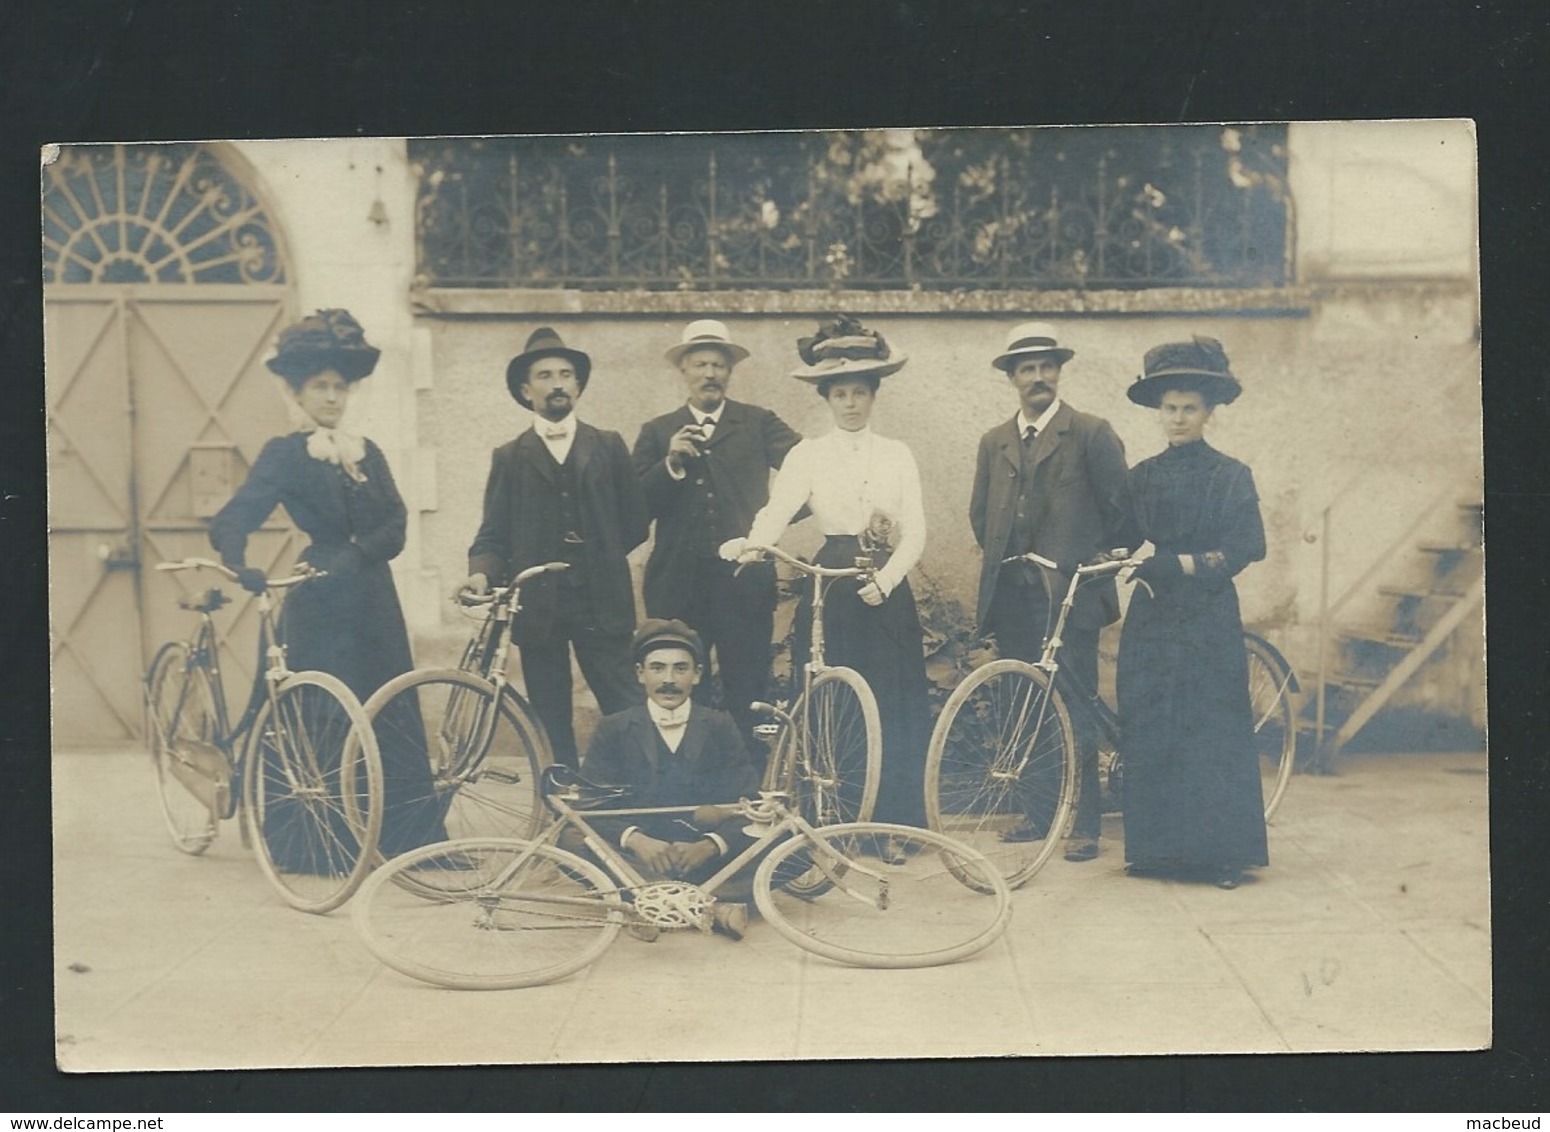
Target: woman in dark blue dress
x,y
337,488
1192,782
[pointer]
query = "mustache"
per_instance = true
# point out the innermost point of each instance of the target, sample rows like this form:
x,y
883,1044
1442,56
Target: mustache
x,y
668,689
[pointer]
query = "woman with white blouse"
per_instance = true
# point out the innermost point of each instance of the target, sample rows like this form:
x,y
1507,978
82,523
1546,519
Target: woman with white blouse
x,y
864,492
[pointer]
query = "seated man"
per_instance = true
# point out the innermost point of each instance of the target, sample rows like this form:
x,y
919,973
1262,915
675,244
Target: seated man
x,y
673,752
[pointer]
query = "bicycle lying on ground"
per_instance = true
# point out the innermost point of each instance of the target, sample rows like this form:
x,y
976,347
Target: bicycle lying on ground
x,y
828,754
1001,766
496,913
484,743
301,763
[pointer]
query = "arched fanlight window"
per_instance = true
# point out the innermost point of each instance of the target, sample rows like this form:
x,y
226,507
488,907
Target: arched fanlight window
x,y
171,214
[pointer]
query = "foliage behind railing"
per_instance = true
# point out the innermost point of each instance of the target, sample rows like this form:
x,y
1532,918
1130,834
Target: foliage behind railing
x,y
1072,207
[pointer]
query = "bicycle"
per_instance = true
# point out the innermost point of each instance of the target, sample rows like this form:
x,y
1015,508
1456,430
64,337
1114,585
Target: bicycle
x,y
485,745
301,763
500,913
1001,765
829,756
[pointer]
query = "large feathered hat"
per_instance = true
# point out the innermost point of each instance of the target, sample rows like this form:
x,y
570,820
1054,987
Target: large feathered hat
x,y
844,348
1199,365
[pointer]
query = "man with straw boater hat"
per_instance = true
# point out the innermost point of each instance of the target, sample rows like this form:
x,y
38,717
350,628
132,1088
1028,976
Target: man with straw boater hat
x,y
1051,480
706,471
563,491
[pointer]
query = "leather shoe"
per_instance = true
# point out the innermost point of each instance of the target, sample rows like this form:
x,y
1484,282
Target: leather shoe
x,y
730,920
1081,848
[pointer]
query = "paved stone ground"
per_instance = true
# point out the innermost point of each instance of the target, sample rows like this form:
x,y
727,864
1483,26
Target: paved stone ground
x,y
1370,931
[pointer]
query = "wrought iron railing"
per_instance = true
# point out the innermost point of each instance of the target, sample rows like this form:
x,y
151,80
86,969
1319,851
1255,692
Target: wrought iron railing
x,y
929,209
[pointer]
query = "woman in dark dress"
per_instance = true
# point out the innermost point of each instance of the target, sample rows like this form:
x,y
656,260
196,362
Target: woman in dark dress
x,y
864,492
1192,783
337,488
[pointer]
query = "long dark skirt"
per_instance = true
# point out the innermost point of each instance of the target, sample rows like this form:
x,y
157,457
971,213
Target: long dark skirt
x,y
1191,787
882,643
352,627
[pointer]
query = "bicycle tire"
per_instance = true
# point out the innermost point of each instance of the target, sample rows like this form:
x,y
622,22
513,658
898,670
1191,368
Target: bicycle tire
x,y
1274,713
181,727
312,794
835,762
443,715
478,928
941,902
1003,715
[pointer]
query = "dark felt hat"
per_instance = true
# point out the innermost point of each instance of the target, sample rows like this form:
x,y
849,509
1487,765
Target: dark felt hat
x,y
844,348
330,339
1199,365
656,633
544,343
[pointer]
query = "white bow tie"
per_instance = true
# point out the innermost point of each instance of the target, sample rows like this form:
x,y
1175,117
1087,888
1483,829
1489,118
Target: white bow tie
x,y
556,432
335,446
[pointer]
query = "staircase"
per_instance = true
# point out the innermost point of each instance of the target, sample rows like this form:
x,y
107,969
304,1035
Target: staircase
x,y
1428,592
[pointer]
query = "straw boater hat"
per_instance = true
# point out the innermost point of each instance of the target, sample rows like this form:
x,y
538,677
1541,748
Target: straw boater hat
x,y
707,332
544,343
844,348
330,339
1198,366
1031,339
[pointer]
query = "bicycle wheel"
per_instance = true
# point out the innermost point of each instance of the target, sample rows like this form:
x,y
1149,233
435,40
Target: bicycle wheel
x,y
1275,721
484,759
941,903
836,756
193,774
502,913
313,791
1001,767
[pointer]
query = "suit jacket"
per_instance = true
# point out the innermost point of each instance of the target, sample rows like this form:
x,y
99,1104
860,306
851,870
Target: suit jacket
x,y
521,527
710,766
1080,499
746,445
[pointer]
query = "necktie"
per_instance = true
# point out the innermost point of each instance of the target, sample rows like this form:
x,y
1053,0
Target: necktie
x,y
671,724
1029,436
556,432
707,426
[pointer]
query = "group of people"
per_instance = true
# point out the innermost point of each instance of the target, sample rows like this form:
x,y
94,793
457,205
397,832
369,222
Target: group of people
x,y
719,478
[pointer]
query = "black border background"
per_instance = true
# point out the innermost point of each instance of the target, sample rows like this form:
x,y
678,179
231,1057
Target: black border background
x,y
117,70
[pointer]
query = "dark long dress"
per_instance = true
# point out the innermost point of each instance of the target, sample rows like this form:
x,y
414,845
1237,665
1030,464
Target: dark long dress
x,y
350,623
1192,786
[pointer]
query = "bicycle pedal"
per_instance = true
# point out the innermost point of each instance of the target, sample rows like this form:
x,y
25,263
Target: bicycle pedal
x,y
646,933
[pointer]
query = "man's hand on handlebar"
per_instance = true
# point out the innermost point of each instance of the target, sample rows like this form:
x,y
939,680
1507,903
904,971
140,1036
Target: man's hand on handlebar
x,y
735,550
251,578
475,585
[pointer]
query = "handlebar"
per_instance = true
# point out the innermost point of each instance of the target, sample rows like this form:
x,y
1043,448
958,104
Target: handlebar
x,y
1119,559
498,593
863,567
304,572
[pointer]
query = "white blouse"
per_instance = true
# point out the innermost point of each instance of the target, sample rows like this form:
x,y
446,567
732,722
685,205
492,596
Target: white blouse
x,y
849,480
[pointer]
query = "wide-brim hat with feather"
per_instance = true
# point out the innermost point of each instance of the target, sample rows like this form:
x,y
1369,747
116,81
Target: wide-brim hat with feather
x,y
1199,365
329,339
844,348
544,343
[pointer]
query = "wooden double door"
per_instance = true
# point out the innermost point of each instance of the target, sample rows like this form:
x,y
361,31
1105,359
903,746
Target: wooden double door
x,y
158,403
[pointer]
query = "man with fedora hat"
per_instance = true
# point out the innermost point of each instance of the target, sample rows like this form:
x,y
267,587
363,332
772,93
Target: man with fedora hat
x,y
671,751
563,491
1051,480
706,470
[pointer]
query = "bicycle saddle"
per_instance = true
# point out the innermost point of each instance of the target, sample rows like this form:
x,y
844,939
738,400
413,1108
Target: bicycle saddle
x,y
580,793
207,602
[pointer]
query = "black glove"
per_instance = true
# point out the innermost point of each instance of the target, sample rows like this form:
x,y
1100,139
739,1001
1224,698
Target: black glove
x,y
252,579
1157,568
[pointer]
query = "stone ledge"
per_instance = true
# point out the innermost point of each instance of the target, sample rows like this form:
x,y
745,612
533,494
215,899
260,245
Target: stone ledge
x,y
460,302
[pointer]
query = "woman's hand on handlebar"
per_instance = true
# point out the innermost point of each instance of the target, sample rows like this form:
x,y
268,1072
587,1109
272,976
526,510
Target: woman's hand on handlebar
x,y
736,550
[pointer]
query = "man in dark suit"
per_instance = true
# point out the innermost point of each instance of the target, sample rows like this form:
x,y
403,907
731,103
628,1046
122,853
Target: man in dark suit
x,y
563,491
672,752
706,472
1051,480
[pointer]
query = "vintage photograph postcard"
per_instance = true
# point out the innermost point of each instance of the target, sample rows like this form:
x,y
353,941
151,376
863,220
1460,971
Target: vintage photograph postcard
x,y
812,595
